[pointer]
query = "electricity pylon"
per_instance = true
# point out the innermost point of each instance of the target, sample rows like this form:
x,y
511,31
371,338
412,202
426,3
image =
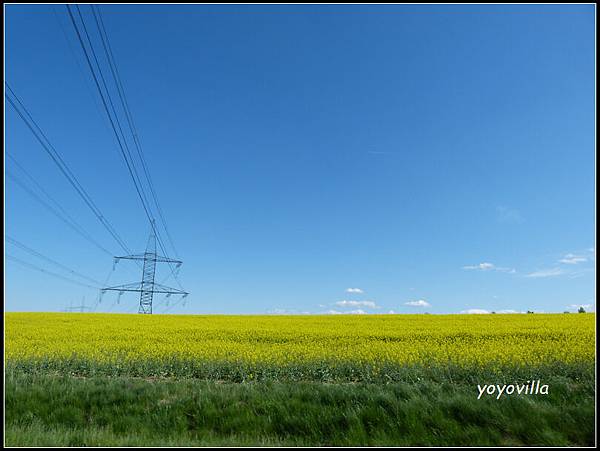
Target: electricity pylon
x,y
148,286
77,308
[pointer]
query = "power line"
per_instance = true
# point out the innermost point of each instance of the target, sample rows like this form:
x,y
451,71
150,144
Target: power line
x,y
48,259
148,287
123,146
115,123
27,118
174,304
50,273
99,300
63,217
59,212
162,301
57,159
78,308
110,101
121,91
80,68
37,185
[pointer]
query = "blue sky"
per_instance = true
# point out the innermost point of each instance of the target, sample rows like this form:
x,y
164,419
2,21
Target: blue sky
x,y
430,158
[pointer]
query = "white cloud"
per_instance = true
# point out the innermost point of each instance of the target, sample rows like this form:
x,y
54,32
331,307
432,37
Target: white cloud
x,y
282,311
391,312
475,311
419,303
489,267
357,312
354,290
552,272
351,312
278,311
368,304
509,311
572,259
481,266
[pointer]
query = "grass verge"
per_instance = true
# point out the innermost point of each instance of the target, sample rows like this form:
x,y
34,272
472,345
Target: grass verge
x,y
47,409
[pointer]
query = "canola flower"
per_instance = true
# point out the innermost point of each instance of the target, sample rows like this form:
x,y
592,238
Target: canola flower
x,y
458,340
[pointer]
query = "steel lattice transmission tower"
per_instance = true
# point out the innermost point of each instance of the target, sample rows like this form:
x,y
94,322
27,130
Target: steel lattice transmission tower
x,y
148,286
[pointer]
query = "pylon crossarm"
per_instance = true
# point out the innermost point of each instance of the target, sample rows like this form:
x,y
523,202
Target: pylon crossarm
x,y
126,287
158,288
147,287
131,257
135,287
161,259
139,290
153,258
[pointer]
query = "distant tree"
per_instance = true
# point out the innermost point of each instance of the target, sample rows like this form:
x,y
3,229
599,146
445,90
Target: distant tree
x,y
581,310
566,311
493,313
529,311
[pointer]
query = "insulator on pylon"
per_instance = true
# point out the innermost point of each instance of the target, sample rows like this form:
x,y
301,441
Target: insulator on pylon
x,y
148,287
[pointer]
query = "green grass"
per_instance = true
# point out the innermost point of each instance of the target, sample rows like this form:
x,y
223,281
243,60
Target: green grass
x,y
312,371
48,409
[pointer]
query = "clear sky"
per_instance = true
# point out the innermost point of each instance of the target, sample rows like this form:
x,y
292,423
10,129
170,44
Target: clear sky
x,y
430,158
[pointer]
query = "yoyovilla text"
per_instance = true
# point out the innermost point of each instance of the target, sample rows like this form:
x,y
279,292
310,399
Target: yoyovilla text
x,y
529,388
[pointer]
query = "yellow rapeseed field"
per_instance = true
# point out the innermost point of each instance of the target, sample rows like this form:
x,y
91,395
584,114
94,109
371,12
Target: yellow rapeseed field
x,y
403,339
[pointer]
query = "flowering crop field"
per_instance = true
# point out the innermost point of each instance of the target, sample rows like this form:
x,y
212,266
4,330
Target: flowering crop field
x,y
303,347
78,379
